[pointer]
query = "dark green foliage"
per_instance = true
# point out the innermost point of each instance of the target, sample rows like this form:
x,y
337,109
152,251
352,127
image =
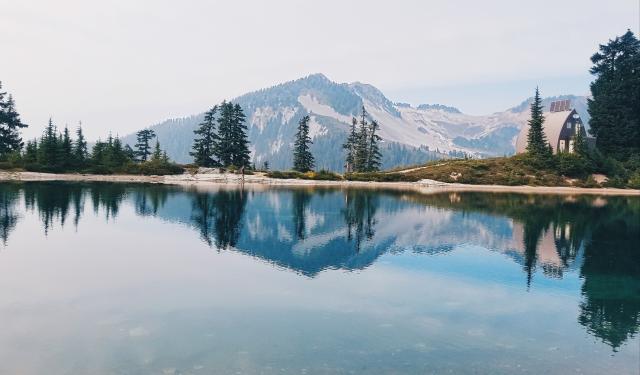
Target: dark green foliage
x,y
66,150
302,158
241,155
48,156
80,151
232,146
322,175
374,157
31,152
538,148
143,148
380,177
350,147
10,125
363,152
58,152
206,141
572,165
615,103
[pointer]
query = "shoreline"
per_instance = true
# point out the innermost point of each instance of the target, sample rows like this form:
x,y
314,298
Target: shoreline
x,y
204,179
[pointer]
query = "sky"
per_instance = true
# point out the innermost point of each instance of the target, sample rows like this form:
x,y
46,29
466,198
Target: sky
x,y
121,66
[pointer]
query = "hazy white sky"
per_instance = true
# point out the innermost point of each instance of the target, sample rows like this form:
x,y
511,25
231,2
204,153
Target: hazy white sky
x,y
125,65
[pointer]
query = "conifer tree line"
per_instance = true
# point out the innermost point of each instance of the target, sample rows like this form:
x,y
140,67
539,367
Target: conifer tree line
x,y
60,151
362,145
221,138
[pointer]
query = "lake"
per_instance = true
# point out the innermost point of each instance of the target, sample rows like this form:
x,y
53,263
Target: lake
x,y
121,278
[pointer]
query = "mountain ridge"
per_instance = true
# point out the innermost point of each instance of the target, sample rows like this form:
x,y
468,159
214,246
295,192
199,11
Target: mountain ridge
x,y
410,134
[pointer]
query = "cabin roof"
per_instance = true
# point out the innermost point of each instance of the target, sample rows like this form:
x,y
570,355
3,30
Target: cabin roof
x,y
553,123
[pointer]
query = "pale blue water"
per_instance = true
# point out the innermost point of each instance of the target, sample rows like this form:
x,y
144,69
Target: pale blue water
x,y
133,279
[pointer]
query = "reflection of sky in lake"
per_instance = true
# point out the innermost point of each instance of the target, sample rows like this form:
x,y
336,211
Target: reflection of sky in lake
x,y
436,287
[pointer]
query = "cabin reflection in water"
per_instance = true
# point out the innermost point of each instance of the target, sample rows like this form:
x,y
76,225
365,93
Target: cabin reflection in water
x,y
309,231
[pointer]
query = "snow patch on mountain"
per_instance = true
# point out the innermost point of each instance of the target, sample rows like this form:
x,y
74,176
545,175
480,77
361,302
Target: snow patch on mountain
x,y
312,105
261,117
315,128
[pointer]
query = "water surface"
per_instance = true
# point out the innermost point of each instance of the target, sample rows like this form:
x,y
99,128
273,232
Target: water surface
x,y
118,278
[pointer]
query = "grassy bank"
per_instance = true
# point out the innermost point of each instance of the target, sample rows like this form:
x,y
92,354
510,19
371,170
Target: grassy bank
x,y
562,170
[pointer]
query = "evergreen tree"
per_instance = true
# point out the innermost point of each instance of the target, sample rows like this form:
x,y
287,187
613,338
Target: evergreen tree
x,y
129,152
537,146
241,155
232,146
615,103
98,154
223,148
143,149
48,150
206,141
580,144
66,151
119,154
31,152
362,144
375,156
10,125
350,147
80,152
157,153
302,158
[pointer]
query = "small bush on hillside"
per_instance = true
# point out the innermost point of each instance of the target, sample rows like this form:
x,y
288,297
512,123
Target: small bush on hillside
x,y
572,165
616,182
322,175
634,181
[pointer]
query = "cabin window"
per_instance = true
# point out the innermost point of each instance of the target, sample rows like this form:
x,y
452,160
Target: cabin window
x,y
568,125
562,145
571,145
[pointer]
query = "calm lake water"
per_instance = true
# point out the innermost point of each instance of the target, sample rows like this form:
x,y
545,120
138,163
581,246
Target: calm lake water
x,y
117,278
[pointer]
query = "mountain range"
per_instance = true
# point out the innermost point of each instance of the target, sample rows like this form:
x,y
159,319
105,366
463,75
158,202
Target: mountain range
x,y
410,134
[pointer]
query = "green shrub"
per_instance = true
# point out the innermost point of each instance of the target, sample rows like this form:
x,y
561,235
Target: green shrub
x,y
616,182
380,177
571,165
322,175
634,181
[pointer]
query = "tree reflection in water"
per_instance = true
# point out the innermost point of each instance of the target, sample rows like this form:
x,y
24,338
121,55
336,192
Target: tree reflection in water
x,y
596,237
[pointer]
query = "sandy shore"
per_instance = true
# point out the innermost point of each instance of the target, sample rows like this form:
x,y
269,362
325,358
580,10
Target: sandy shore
x,y
203,179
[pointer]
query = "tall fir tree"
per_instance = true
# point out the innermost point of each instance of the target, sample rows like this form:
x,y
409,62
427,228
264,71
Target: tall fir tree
x,y
241,154
66,149
374,158
615,103
350,146
232,146
143,149
80,151
224,147
157,153
537,145
303,160
10,125
48,150
362,144
206,141
31,152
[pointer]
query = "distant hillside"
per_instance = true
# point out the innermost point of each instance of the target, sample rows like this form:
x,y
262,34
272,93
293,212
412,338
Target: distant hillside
x,y
410,135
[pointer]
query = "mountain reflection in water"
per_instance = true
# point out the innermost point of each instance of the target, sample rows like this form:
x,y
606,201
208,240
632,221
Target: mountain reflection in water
x,y
311,230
